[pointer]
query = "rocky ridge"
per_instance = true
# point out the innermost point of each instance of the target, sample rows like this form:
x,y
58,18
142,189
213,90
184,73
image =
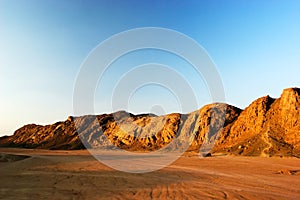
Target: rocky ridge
x,y
267,127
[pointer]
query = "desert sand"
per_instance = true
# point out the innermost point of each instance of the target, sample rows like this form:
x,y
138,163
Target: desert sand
x,y
49,174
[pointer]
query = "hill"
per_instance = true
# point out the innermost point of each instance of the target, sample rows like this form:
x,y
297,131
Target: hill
x,y
267,127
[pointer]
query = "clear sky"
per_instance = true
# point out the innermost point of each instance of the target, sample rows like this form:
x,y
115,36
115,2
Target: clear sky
x,y
254,44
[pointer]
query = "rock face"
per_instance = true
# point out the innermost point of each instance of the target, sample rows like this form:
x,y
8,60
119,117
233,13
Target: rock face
x,y
267,127
61,135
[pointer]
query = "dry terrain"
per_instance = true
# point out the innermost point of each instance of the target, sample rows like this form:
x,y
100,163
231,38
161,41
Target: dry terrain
x,y
65,174
255,154
267,127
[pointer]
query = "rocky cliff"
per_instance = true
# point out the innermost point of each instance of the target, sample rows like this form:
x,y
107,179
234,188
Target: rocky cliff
x,y
267,127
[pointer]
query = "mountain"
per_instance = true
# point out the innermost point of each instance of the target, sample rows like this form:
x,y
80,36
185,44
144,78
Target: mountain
x,y
267,127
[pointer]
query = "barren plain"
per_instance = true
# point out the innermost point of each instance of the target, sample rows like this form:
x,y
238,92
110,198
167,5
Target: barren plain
x,y
65,174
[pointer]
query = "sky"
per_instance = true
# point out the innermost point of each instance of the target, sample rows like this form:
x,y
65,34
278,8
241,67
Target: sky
x,y
255,46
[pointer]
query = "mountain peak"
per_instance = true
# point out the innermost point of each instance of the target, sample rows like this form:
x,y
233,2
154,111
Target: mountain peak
x,y
290,92
290,98
266,127
291,89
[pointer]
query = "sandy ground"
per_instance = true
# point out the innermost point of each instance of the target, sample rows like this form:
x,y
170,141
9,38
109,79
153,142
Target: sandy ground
x,y
47,174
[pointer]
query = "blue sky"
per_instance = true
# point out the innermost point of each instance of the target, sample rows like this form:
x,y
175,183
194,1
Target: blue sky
x,y
254,44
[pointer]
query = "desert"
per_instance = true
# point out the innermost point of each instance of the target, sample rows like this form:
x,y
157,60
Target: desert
x,y
66,174
248,154
139,99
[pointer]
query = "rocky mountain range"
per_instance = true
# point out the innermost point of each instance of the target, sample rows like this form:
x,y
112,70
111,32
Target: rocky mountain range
x,y
267,127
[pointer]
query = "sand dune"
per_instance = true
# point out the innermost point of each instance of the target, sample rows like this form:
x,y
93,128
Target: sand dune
x,y
45,174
